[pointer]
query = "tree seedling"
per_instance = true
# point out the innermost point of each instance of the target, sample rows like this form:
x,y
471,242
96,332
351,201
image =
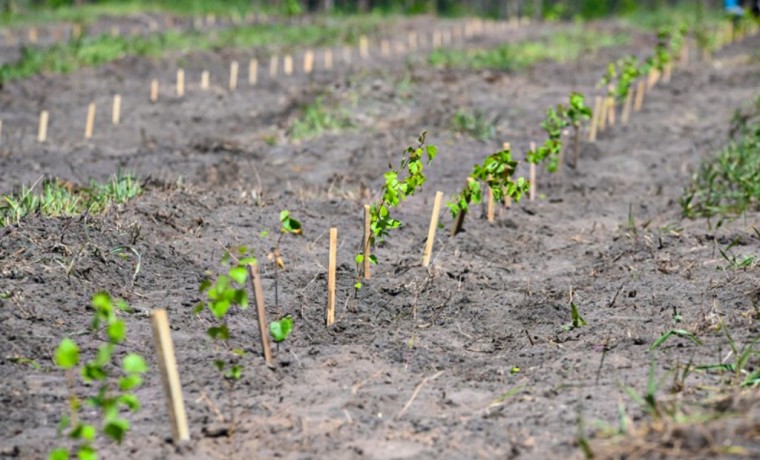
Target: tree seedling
x,y
554,123
115,383
226,292
674,333
577,113
496,172
288,226
400,183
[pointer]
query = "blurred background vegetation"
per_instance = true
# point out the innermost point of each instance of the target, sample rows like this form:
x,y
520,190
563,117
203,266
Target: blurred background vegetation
x,y
549,9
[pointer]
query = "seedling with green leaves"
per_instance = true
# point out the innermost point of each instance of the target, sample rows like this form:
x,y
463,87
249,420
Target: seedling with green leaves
x,y
577,113
400,183
114,383
496,171
226,292
576,320
280,328
554,124
742,357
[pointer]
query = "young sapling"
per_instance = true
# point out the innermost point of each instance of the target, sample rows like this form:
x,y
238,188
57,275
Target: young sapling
x,y
400,183
496,171
114,383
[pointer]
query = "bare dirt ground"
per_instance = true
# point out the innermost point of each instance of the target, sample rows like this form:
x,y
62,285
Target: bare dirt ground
x,y
494,301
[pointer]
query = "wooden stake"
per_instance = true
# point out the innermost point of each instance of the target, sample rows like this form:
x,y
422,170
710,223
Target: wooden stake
x,y
685,54
595,119
532,189
367,233
167,364
328,59
330,316
436,39
115,32
90,122
42,131
412,39
204,80
258,293
490,210
385,48
33,35
180,82
363,47
507,198
347,52
627,107
233,75
668,73
253,71
640,89
611,111
116,112
602,121
287,65
273,66
432,229
1,132
154,91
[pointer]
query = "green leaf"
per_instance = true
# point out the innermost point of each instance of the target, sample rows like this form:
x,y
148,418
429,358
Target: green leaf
x,y
102,302
219,332
281,329
117,331
359,259
235,372
239,274
134,364
116,429
205,285
675,332
87,453
373,259
67,354
357,285
60,453
130,382
88,432
130,401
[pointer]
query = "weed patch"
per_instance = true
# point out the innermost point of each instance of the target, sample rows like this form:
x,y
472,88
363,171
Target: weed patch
x,y
560,47
57,198
316,118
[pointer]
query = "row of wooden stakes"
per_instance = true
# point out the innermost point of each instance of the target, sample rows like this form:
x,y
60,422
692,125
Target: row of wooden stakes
x,y
286,65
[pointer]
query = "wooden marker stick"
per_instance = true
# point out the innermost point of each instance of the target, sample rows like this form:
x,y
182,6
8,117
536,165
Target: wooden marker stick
x,y
385,48
273,66
328,59
490,209
640,89
432,229
287,65
90,122
33,35
204,80
42,131
627,107
154,91
436,39
330,316
685,54
253,72
258,293
116,112
507,198
595,119
180,82
602,122
532,189
412,39
668,73
611,111
308,62
347,54
233,75
367,233
167,363
1,132
363,47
